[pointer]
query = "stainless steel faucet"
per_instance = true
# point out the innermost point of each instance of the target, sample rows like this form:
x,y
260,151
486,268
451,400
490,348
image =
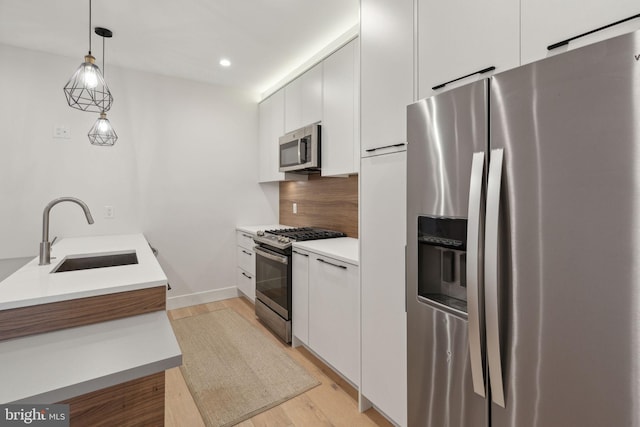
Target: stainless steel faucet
x,y
45,245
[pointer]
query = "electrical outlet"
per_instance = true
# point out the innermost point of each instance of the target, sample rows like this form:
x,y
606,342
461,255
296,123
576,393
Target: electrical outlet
x,y
295,208
61,132
109,212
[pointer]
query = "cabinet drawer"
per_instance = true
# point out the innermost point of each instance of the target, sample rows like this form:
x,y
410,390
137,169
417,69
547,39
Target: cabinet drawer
x,y
246,260
246,283
245,240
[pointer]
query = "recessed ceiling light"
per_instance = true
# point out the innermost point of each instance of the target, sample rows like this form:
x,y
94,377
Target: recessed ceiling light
x,y
225,62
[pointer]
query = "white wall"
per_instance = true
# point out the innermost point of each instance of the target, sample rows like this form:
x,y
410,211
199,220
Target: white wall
x,y
183,171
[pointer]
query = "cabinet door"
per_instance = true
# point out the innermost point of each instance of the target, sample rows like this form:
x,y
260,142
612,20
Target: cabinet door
x,y
458,37
545,22
303,99
340,129
386,73
300,295
382,268
311,94
271,128
334,313
293,105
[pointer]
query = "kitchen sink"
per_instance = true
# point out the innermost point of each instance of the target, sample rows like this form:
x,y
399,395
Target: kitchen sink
x,y
86,262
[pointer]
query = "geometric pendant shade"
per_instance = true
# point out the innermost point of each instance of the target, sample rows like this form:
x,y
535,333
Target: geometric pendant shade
x,y
102,133
86,90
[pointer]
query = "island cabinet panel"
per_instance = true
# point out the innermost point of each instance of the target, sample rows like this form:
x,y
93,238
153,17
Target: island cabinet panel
x,y
138,402
23,321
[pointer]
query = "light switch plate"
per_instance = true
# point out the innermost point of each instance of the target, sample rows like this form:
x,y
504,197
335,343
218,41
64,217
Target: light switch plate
x,y
61,132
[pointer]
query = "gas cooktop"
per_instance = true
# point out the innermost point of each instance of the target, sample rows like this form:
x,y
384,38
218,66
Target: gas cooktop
x,y
283,237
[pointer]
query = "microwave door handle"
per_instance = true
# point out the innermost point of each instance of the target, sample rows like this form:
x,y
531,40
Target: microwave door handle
x,y
299,154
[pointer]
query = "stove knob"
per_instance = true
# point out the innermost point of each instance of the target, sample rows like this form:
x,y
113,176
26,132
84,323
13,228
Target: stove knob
x,y
260,233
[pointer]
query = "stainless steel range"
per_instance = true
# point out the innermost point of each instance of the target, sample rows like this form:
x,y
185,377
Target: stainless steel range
x,y
273,274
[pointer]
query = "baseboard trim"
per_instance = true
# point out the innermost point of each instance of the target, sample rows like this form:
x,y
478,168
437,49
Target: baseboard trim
x,y
202,297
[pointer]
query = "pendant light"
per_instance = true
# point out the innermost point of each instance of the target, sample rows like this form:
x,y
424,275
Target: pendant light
x,y
86,90
101,133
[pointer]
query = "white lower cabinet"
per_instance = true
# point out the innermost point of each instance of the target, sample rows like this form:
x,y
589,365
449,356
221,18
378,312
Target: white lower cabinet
x,y
382,264
326,310
334,314
246,264
300,296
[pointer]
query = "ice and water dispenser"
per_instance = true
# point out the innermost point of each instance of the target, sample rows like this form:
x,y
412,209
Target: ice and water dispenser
x,y
442,261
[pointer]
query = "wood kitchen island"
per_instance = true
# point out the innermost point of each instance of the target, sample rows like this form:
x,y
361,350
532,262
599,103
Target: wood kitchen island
x,y
97,339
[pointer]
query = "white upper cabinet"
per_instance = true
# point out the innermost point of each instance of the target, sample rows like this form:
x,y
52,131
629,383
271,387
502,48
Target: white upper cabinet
x,y
340,142
271,128
386,74
303,99
545,22
459,37
327,93
293,105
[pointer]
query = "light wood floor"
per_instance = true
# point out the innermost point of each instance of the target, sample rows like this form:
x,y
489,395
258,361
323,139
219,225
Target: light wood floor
x,y
332,403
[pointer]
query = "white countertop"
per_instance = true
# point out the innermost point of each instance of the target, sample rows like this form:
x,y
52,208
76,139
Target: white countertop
x,y
34,284
343,248
253,229
47,368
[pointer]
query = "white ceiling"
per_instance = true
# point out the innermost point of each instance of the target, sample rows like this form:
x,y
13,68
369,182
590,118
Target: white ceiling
x,y
264,39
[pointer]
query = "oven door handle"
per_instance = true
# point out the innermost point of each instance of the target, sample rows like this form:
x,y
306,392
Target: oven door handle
x,y
271,255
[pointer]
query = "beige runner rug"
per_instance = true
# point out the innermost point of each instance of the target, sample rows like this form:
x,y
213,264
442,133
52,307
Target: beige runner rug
x,y
232,370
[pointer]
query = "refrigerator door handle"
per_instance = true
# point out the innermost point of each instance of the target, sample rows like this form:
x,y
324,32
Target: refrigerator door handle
x,y
474,272
491,276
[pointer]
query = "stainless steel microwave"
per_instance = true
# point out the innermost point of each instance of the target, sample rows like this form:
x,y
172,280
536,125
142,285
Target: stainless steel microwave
x,y
300,150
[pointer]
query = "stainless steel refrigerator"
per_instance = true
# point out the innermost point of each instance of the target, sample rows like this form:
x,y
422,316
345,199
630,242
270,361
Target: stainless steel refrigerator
x,y
523,245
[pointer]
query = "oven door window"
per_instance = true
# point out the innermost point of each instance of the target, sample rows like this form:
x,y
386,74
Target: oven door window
x,y
290,153
272,275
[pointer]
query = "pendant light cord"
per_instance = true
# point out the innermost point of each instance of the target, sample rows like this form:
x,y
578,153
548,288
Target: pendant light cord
x,y
89,27
104,66
104,72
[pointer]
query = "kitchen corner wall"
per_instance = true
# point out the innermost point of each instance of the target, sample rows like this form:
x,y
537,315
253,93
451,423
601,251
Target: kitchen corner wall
x,y
183,171
323,202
